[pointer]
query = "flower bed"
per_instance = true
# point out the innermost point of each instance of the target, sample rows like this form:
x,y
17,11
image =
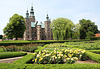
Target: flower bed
x,y
58,56
56,45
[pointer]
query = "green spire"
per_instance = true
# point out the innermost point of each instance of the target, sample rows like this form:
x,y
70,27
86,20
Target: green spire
x,y
32,11
47,17
27,14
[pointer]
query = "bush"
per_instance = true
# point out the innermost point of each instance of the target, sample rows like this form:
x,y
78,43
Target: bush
x,y
95,51
29,47
49,66
41,48
93,56
24,59
11,54
95,38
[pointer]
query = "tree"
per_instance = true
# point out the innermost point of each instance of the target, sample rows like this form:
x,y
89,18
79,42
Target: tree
x,y
62,28
16,27
76,32
1,36
86,26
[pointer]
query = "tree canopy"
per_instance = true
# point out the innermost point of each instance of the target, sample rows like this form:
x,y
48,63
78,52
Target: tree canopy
x,y
62,28
16,27
87,29
1,36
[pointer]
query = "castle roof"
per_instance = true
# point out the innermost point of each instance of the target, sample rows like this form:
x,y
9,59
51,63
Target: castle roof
x,y
42,25
33,24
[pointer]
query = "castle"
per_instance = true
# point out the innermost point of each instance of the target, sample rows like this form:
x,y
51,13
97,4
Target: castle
x,y
35,30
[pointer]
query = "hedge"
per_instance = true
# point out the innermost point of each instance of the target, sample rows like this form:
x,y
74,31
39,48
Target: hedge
x,y
11,54
95,38
95,51
49,66
24,59
19,43
93,56
41,48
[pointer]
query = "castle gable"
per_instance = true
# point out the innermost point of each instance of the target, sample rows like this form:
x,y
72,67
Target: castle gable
x,y
33,24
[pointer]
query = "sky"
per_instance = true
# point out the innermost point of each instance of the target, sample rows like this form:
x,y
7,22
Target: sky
x,y
74,10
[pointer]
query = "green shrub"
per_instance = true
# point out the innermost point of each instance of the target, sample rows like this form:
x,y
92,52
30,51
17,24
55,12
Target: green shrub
x,y
24,59
93,56
95,51
41,48
11,54
49,66
95,38
29,47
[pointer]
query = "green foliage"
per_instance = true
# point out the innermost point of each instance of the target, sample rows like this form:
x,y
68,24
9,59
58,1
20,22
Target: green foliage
x,y
85,45
95,51
1,36
62,28
24,59
95,38
93,56
41,48
16,27
87,28
76,33
49,66
11,54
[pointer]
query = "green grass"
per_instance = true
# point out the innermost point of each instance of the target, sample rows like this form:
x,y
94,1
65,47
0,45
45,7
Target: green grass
x,y
4,55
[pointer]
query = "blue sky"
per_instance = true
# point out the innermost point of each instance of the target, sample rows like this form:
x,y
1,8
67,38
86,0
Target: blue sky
x,y
74,10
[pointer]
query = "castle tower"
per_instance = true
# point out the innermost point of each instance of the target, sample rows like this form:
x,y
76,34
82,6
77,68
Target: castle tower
x,y
38,32
32,14
47,28
29,20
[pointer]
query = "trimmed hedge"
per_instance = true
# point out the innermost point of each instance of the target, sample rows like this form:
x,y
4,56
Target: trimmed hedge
x,y
19,43
49,66
24,59
93,56
95,51
41,48
11,54
95,38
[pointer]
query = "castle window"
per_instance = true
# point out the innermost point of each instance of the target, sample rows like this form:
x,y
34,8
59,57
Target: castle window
x,y
28,32
28,36
28,23
28,28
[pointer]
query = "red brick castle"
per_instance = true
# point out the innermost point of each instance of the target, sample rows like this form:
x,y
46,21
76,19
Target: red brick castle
x,y
37,30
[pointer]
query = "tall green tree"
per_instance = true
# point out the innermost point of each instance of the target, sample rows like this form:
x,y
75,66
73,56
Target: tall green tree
x,y
62,28
16,27
86,26
76,32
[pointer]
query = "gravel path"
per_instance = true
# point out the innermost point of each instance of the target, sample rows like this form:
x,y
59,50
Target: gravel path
x,y
9,60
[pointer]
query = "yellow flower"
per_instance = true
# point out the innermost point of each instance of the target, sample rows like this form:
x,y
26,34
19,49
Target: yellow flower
x,y
65,56
70,55
33,60
39,59
72,59
34,54
83,51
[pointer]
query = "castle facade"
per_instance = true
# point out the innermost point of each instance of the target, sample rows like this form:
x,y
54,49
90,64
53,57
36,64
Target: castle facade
x,y
37,30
